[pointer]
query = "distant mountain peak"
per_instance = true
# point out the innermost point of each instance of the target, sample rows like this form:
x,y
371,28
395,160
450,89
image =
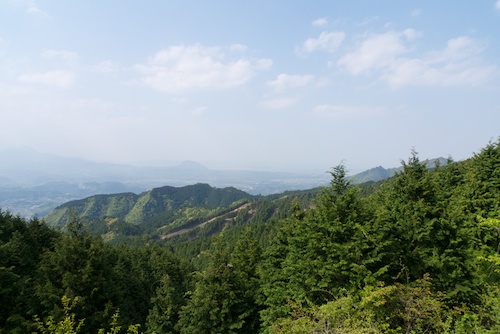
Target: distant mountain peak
x,y
380,173
190,165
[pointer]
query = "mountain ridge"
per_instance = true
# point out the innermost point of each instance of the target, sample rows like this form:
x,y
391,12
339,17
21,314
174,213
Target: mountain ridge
x,y
34,183
147,206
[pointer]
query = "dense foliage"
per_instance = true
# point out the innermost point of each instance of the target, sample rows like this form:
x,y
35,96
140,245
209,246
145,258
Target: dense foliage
x,y
417,253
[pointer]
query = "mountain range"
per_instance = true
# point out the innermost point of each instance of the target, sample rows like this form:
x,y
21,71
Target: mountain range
x,y
173,212
34,183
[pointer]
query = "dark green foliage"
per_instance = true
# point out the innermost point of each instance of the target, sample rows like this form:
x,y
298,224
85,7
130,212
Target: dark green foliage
x,y
421,233
21,246
104,278
165,306
418,252
223,300
315,255
80,265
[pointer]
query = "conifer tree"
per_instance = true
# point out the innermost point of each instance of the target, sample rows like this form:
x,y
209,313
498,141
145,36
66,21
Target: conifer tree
x,y
316,256
421,236
79,266
218,302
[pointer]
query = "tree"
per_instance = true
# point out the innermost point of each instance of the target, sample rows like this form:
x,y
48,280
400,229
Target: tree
x,y
79,265
316,256
218,302
70,325
21,245
423,233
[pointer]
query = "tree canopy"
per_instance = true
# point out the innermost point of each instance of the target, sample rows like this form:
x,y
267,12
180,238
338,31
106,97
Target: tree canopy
x,y
416,253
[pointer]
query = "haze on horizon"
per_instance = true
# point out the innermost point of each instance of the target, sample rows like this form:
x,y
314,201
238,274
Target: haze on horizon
x,y
289,86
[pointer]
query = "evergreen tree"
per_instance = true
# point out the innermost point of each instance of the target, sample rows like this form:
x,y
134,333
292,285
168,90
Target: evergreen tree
x,y
165,305
79,266
218,302
21,246
317,255
170,285
421,233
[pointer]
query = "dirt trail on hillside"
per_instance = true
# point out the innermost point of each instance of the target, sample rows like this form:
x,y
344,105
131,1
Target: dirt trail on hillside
x,y
185,230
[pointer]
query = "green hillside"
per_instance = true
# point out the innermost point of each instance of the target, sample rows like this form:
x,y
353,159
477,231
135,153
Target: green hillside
x,y
165,207
380,173
415,253
170,212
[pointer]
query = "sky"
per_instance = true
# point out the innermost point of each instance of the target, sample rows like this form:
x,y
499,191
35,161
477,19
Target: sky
x,y
253,85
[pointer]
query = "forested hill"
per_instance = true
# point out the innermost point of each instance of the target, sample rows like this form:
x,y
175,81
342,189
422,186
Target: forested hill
x,y
416,253
380,173
148,206
166,212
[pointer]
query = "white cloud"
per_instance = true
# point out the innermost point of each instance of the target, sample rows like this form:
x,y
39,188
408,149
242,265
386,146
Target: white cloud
x,y
320,22
376,51
31,7
411,34
326,41
84,105
416,12
286,81
279,103
497,5
238,47
196,67
179,100
3,45
387,55
199,110
66,56
263,64
61,79
327,110
458,64
105,66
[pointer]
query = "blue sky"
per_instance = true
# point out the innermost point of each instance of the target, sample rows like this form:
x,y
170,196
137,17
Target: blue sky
x,y
258,85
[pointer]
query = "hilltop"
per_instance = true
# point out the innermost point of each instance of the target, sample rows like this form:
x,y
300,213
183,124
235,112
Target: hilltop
x,y
168,211
416,252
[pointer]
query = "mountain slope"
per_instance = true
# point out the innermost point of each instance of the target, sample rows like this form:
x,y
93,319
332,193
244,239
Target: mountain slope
x,y
380,173
156,206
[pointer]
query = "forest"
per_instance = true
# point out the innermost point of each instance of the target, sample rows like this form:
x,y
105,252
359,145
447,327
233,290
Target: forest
x,y
418,252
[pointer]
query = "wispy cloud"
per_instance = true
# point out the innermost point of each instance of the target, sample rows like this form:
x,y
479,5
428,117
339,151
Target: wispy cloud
x,y
105,66
182,68
458,64
287,81
198,111
320,22
326,41
327,110
3,45
31,7
377,51
497,5
388,56
279,103
416,12
57,78
69,57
